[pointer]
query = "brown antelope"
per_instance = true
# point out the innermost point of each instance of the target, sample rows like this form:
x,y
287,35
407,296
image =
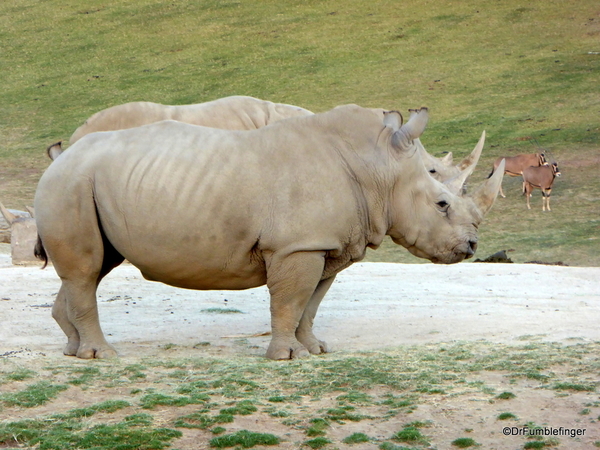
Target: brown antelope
x,y
516,164
540,177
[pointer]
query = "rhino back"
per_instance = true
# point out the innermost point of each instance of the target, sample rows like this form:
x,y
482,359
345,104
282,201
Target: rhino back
x,y
128,115
237,112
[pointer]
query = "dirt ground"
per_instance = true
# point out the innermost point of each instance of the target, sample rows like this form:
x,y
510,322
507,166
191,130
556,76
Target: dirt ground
x,y
371,306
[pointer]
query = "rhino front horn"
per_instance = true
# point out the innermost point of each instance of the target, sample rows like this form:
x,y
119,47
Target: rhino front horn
x,y
485,195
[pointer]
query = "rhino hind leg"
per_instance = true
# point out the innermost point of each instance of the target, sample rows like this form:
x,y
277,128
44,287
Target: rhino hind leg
x,y
60,310
81,265
292,282
59,313
304,332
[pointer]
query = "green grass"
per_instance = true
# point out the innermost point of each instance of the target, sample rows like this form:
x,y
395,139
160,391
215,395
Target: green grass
x,y
464,443
133,433
528,76
505,396
33,395
410,434
324,400
356,438
245,439
317,442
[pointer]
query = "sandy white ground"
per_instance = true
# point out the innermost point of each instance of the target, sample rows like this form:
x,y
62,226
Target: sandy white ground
x,y
370,306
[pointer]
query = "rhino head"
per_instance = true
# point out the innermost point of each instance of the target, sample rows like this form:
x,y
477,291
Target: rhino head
x,y
433,220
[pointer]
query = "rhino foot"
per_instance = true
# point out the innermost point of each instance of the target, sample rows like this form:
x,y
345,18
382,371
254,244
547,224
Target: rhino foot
x,y
314,345
96,352
71,348
286,350
321,347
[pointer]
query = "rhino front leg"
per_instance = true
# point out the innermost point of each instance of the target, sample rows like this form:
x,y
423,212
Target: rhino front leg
x,y
292,281
59,313
304,332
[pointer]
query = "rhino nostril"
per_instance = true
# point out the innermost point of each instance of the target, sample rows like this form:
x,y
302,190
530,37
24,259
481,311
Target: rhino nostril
x,y
472,247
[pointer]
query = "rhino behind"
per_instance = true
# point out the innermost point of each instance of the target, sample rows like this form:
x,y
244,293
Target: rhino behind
x,y
289,205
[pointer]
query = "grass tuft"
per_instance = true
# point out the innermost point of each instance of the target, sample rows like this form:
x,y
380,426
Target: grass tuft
x,y
317,442
356,438
245,439
505,396
34,395
464,443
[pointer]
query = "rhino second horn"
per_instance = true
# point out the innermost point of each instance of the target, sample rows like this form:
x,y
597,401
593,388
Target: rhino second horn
x,y
8,216
473,158
447,160
487,192
456,183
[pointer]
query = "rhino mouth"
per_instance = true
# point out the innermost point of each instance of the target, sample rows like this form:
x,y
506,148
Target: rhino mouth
x,y
461,252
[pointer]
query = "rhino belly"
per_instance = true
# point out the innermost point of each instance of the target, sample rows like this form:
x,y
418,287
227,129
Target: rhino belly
x,y
182,248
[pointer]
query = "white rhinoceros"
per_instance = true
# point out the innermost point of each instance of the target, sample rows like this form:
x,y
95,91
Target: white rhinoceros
x,y
289,205
237,112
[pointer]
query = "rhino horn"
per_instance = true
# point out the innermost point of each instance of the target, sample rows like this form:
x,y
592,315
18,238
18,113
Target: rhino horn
x,y
54,150
416,124
472,159
456,183
485,195
447,160
10,217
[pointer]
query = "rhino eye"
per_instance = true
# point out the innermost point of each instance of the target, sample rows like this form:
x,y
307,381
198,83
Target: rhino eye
x,y
432,171
443,205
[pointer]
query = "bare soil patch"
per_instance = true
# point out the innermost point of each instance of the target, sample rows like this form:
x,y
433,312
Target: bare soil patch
x,y
372,307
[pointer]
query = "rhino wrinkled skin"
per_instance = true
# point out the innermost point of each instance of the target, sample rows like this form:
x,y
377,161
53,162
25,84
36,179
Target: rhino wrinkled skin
x,y
289,205
236,112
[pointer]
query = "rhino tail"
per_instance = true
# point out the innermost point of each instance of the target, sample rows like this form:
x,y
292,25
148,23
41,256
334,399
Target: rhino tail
x,y
40,252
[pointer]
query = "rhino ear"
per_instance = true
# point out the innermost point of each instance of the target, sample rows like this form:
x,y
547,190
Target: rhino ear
x,y
415,126
393,120
485,195
54,150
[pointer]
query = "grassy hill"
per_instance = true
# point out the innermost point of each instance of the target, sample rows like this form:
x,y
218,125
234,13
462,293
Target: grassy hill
x,y
528,75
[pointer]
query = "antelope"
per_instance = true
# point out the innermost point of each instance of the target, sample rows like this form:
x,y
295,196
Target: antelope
x,y
542,178
516,164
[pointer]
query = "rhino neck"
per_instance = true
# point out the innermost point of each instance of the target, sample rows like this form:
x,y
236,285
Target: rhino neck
x,y
371,175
